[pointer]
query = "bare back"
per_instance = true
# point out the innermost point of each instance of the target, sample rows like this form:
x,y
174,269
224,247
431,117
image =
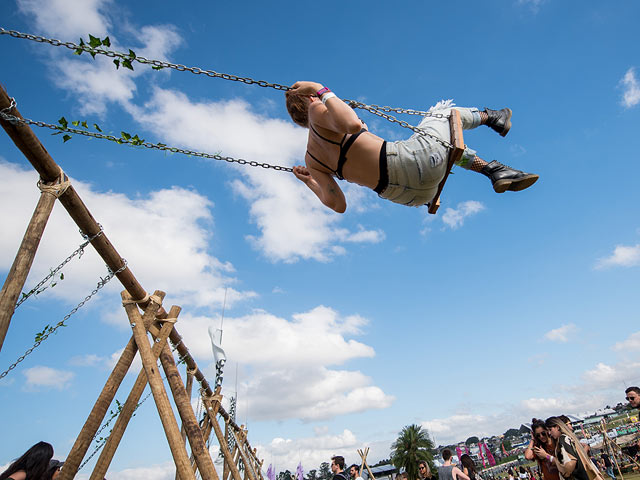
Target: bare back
x,y
362,165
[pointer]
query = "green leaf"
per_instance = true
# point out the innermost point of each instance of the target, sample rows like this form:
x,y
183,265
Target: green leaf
x,y
66,138
95,125
93,54
132,54
117,63
158,67
78,51
84,124
125,135
106,42
94,42
75,123
81,43
127,64
63,121
62,276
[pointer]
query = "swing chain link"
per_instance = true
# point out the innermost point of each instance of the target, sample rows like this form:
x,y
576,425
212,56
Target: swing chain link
x,y
182,68
79,252
157,146
50,330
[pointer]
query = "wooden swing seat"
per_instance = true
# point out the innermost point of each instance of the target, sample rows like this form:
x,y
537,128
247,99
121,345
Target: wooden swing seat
x,y
455,154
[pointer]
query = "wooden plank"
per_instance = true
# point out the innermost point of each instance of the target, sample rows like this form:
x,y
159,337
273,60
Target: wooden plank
x,y
455,154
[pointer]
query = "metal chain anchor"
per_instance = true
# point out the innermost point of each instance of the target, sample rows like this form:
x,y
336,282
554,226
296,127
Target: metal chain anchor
x,y
101,283
78,252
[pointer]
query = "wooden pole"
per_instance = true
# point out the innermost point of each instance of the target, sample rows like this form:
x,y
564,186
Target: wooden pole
x,y
225,467
129,407
167,417
248,470
212,404
85,437
183,404
19,271
183,431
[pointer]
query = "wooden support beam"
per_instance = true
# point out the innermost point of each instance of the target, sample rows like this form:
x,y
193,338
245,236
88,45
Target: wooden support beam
x,y
167,417
19,271
183,404
455,154
212,405
129,407
240,443
85,437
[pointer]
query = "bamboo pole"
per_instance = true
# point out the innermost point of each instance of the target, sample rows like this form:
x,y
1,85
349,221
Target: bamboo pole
x,y
183,404
167,417
85,437
129,407
19,271
212,404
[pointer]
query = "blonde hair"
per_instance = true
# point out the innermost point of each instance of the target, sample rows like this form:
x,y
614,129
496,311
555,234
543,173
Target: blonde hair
x,y
590,468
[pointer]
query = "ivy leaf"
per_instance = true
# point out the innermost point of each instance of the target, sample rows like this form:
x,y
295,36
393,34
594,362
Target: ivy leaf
x,y
84,124
95,125
125,135
94,42
75,123
79,51
127,64
66,138
132,54
62,276
93,55
106,42
158,67
117,63
63,121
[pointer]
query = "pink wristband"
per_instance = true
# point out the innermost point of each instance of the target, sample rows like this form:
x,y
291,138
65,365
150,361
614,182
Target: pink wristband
x,y
322,91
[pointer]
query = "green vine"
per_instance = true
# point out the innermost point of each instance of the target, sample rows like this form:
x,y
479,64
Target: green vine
x,y
94,43
37,291
124,136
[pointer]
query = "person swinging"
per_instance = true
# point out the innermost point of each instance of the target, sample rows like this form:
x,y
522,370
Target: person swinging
x,y
406,172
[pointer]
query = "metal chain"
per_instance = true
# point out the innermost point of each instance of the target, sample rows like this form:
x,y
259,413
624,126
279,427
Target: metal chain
x,y
179,67
101,283
79,252
402,123
157,146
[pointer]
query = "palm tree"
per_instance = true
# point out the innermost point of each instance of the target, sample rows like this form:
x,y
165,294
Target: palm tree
x,y
412,445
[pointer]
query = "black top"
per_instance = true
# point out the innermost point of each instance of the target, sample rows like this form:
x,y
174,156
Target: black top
x,y
342,158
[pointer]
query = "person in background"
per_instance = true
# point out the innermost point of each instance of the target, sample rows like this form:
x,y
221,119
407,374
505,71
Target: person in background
x,y
468,467
448,471
32,465
424,470
540,447
632,395
570,459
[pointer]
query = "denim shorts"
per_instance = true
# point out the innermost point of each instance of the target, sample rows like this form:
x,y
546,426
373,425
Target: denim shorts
x,y
417,166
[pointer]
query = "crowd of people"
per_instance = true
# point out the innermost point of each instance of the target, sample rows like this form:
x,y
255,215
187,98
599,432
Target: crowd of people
x,y
553,446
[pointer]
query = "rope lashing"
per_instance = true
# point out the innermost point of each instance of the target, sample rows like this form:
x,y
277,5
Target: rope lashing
x,y
57,187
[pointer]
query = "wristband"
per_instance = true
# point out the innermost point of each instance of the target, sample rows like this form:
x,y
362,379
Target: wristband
x,y
322,91
327,96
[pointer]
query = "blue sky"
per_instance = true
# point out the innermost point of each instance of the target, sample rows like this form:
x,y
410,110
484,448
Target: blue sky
x,y
343,328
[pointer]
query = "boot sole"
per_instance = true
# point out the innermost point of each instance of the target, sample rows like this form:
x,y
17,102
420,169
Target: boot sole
x,y
521,183
507,124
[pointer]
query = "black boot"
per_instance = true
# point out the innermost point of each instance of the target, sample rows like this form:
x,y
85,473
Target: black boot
x,y
499,120
506,178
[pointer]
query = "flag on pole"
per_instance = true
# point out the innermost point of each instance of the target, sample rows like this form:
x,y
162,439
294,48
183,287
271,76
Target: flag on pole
x,y
503,449
271,474
480,453
299,472
458,452
492,461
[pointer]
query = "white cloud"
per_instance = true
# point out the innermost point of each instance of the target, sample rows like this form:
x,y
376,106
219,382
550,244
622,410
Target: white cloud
x,y
174,225
287,362
454,217
630,344
605,376
41,376
534,5
561,334
68,19
89,360
622,256
292,223
631,94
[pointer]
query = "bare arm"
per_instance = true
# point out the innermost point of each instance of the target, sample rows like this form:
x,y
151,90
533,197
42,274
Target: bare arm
x,y
457,473
565,469
324,186
334,115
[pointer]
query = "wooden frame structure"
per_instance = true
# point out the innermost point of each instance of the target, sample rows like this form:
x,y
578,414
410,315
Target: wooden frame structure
x,y
455,154
146,316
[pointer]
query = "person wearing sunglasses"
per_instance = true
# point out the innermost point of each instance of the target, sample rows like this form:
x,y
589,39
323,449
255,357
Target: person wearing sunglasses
x,y
632,395
540,447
